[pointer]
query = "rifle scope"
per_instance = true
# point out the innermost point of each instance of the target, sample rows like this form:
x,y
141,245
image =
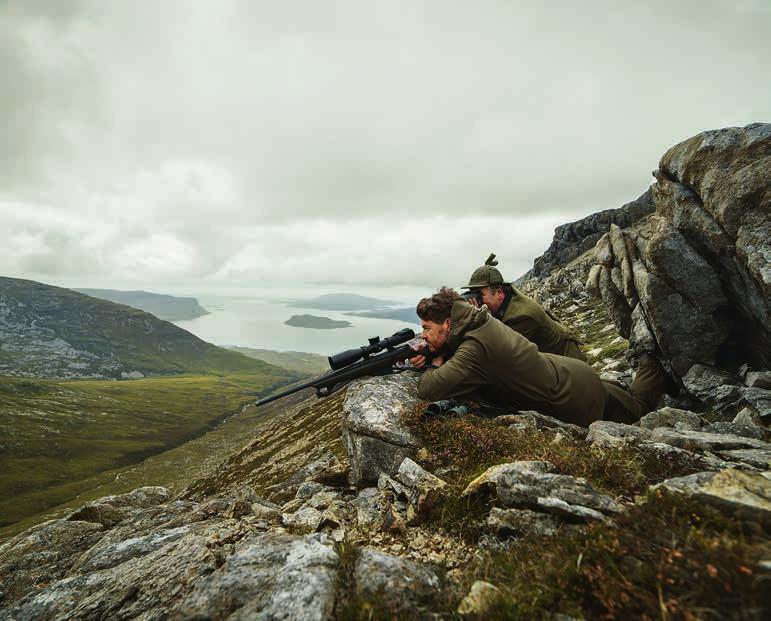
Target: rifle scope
x,y
376,344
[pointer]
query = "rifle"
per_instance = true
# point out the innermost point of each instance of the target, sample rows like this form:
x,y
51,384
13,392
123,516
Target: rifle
x,y
360,362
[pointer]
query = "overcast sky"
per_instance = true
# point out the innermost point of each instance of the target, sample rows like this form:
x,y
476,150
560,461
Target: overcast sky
x,y
200,145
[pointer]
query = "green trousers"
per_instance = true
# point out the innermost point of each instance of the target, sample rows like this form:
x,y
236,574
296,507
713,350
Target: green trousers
x,y
650,383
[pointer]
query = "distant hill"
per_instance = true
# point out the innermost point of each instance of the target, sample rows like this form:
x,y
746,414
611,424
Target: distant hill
x,y
343,302
49,331
166,307
316,323
398,314
294,361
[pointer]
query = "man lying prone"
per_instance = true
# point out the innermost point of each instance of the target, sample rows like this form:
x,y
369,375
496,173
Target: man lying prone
x,y
476,353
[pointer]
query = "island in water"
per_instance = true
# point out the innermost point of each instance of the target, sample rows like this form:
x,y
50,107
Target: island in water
x,y
316,323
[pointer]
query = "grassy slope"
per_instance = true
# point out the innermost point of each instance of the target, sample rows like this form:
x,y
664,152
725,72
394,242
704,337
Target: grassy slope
x,y
138,340
59,434
296,361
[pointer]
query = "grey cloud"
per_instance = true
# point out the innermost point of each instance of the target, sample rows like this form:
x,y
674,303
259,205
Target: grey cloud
x,y
198,123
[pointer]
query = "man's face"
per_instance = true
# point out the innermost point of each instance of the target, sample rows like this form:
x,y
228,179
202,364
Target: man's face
x,y
435,334
493,299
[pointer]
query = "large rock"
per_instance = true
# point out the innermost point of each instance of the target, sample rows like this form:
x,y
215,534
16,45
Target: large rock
x,y
375,437
705,441
691,284
272,576
745,493
42,554
536,485
608,434
572,239
671,417
395,584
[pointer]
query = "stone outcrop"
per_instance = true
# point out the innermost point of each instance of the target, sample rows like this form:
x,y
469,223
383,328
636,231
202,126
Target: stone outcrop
x,y
375,437
573,239
400,585
691,285
536,485
745,493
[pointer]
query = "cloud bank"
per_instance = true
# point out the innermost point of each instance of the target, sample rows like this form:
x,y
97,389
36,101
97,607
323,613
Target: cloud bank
x,y
369,143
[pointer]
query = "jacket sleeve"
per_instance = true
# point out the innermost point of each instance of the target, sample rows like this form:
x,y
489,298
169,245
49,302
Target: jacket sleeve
x,y
460,375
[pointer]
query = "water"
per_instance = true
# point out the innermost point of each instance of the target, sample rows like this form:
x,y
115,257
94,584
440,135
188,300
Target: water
x,y
257,320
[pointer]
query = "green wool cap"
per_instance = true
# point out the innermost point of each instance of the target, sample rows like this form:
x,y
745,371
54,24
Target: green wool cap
x,y
486,275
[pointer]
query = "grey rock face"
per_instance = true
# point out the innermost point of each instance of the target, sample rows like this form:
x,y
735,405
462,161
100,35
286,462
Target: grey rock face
x,y
397,584
306,518
671,417
271,576
705,441
757,458
573,239
375,437
521,522
745,493
148,585
535,420
607,434
758,379
738,429
691,285
535,485
43,553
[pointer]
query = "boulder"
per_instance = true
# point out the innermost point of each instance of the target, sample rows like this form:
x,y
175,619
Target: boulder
x,y
608,434
691,283
304,519
531,419
536,485
747,494
146,586
758,379
757,458
375,437
520,522
479,601
738,429
671,417
705,441
425,489
394,583
271,576
43,554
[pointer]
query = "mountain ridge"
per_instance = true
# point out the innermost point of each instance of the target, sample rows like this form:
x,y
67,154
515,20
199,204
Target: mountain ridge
x,y
49,331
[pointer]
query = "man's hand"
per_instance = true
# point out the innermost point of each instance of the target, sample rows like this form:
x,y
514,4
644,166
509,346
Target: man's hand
x,y
438,361
418,361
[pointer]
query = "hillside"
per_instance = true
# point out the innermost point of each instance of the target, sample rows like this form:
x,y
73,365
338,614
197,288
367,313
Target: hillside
x,y
303,363
61,438
166,307
48,331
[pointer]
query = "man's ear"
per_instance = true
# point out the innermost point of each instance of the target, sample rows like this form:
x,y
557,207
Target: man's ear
x,y
446,323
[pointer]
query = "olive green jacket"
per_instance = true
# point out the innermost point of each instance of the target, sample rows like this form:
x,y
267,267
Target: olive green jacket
x,y
523,314
506,368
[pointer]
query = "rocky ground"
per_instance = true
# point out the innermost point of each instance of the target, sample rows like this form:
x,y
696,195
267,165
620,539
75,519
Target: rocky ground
x,y
362,506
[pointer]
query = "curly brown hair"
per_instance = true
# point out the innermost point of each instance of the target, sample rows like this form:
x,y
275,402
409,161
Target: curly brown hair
x,y
437,308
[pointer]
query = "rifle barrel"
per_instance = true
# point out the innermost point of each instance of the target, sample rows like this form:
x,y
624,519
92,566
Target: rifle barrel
x,y
362,368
